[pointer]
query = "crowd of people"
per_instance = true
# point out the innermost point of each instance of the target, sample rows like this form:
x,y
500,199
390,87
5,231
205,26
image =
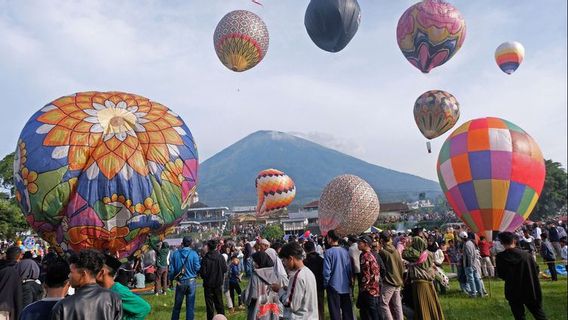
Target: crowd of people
x,y
386,275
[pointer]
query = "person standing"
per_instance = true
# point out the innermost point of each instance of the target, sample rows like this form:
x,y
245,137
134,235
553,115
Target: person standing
x,y
162,257
133,307
469,262
368,300
300,297
257,294
315,263
549,256
184,268
213,269
390,300
10,285
553,237
89,299
337,275
520,273
355,254
235,280
56,284
421,273
485,252
536,233
29,273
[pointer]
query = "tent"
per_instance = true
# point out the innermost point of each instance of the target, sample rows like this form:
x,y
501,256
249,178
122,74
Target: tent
x,y
373,229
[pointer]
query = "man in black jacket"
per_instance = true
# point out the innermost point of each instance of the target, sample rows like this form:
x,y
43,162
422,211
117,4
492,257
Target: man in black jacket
x,y
314,262
520,272
213,269
10,285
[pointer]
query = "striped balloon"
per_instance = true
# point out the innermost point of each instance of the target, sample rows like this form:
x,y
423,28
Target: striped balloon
x,y
241,40
509,56
275,191
492,173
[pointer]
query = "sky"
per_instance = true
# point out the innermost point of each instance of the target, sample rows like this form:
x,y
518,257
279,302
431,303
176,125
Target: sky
x,y
358,101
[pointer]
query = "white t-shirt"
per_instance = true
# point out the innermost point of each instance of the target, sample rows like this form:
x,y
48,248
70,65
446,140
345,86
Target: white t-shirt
x,y
355,255
537,232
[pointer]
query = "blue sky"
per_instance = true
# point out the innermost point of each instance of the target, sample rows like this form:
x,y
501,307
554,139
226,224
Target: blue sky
x,y
358,101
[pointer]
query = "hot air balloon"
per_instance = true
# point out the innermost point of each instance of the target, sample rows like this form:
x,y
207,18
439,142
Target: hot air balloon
x,y
509,56
435,112
104,170
241,40
429,33
275,191
331,24
492,173
348,205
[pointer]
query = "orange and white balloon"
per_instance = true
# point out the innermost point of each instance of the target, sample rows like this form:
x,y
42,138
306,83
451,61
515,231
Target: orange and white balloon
x,y
275,191
509,56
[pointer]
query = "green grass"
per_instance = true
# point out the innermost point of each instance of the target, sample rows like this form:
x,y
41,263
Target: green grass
x,y
456,305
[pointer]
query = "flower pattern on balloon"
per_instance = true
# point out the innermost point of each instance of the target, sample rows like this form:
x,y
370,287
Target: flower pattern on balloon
x,y
110,133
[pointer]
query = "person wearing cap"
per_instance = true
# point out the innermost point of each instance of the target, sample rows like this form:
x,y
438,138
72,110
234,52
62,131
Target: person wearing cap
x,y
56,284
184,268
390,300
133,307
469,261
337,276
90,301
368,300
213,269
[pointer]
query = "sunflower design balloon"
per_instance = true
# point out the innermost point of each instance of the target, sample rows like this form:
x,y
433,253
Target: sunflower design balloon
x,y
275,191
241,40
430,33
104,170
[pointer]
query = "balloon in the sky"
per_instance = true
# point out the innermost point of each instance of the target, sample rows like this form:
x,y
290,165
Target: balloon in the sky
x,y
275,191
331,24
241,40
509,56
436,112
429,33
348,205
492,173
104,170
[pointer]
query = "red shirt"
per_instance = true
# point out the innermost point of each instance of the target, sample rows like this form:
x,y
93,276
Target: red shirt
x,y
370,273
484,247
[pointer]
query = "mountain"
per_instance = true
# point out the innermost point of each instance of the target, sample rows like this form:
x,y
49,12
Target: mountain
x,y
227,178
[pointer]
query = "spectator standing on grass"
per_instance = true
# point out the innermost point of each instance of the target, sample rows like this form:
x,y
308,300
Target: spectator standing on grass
x,y
213,270
469,262
485,252
553,237
56,284
390,300
184,268
162,258
564,251
10,285
235,280
536,233
354,255
368,299
315,263
337,276
528,244
520,273
29,273
549,256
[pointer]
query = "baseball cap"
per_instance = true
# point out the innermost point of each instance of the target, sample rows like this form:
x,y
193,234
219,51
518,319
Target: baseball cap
x,y
463,234
366,239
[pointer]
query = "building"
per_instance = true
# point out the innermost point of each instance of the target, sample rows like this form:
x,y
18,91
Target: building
x,y
201,214
392,211
305,219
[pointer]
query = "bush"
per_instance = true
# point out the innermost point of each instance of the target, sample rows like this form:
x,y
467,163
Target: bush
x,y
273,231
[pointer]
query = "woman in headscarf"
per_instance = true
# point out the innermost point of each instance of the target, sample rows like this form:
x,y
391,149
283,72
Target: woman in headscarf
x,y
421,272
257,294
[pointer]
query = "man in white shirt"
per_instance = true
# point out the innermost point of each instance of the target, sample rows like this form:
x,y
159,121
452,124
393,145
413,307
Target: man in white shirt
x,y
300,298
537,231
355,254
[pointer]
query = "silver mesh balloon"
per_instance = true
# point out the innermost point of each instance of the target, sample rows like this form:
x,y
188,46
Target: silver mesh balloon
x,y
349,205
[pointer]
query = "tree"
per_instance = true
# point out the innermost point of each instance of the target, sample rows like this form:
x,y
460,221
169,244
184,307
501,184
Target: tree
x,y
554,193
12,220
7,173
273,231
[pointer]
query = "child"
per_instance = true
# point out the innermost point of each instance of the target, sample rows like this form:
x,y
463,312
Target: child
x,y
234,280
139,279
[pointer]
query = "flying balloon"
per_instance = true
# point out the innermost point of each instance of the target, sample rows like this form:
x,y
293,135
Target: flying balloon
x,y
429,33
492,173
509,56
331,24
436,112
241,40
348,205
275,191
104,170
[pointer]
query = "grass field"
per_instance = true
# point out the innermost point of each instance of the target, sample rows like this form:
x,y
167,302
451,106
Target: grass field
x,y
456,305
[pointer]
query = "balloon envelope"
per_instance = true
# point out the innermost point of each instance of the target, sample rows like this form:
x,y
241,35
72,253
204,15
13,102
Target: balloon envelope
x,y
430,33
348,205
104,170
436,112
331,24
241,40
492,173
509,56
275,191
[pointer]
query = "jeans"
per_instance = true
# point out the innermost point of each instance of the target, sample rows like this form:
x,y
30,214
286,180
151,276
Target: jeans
x,y
185,289
248,267
339,305
368,306
390,303
473,281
